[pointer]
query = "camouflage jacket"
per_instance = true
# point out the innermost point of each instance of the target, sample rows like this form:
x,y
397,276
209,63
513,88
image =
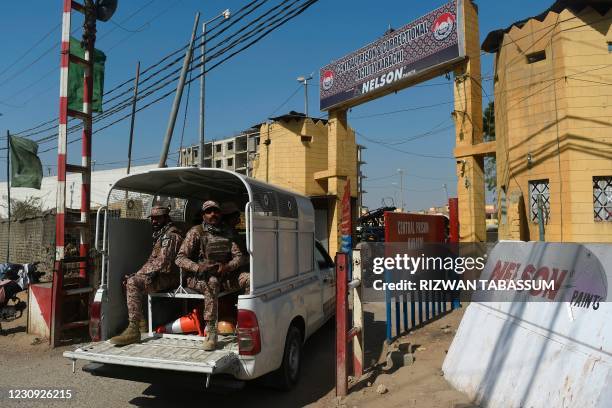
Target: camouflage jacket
x,y
166,246
240,240
204,247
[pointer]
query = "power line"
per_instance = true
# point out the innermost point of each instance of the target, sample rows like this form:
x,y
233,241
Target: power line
x,y
259,34
286,100
59,43
373,115
432,131
37,43
244,10
593,82
368,179
424,155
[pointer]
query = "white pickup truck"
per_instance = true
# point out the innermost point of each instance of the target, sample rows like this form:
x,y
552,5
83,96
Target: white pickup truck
x,y
292,290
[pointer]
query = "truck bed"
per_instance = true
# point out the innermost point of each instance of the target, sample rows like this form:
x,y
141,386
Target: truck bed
x,y
177,353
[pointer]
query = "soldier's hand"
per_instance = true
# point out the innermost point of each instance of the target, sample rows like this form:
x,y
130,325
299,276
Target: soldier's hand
x,y
125,280
207,267
223,269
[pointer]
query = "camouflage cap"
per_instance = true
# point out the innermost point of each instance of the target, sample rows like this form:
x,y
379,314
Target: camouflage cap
x,y
229,207
159,210
210,204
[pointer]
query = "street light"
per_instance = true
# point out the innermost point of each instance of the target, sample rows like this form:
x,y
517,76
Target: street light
x,y
401,174
225,15
304,80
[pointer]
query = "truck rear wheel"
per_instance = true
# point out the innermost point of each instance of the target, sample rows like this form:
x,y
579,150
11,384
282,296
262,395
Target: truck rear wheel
x,y
288,374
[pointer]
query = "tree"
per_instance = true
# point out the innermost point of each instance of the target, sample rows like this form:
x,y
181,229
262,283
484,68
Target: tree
x,y
26,208
490,163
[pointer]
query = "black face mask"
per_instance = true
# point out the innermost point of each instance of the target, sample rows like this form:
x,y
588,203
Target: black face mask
x,y
160,230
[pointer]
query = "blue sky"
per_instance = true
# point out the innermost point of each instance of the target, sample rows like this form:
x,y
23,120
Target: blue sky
x,y
250,87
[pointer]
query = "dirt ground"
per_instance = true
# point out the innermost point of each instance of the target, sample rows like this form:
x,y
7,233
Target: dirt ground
x,y
28,362
420,384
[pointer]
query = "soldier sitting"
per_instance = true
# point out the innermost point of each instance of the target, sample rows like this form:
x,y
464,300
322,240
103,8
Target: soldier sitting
x,y
240,278
207,254
158,273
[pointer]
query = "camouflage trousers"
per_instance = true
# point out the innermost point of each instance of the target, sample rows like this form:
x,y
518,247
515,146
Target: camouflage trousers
x,y
140,284
210,289
238,280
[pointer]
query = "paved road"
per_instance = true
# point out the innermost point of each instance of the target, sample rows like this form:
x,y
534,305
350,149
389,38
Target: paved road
x,y
39,367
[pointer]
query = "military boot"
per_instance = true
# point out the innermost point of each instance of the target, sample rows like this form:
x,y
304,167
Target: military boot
x,y
210,340
129,335
143,326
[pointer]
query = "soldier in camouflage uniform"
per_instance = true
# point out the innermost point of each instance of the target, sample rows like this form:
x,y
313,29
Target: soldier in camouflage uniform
x,y
241,277
207,254
158,273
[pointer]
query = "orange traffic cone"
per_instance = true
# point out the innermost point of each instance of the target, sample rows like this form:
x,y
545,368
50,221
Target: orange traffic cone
x,y
184,324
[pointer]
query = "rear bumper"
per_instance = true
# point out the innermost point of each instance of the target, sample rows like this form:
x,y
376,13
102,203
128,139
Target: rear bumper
x,y
155,376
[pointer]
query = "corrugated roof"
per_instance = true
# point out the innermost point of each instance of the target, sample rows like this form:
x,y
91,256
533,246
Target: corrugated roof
x,y
293,115
495,38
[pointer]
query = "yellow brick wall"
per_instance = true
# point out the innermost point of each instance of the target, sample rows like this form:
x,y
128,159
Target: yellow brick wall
x,y
550,111
290,163
468,128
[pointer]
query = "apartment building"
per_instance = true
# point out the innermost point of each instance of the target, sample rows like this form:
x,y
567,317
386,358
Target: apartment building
x,y
234,153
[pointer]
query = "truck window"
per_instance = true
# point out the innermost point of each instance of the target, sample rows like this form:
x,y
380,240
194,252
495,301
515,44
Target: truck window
x,y
322,257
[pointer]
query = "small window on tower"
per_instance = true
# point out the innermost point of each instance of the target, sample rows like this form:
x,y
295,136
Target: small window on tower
x,y
602,198
610,46
536,56
539,197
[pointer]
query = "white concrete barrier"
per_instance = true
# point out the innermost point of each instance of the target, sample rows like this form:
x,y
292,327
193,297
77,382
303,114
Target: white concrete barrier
x,y
533,352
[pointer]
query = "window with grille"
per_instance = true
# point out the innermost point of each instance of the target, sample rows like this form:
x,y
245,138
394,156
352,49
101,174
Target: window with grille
x,y
602,198
230,145
218,164
539,188
218,148
230,162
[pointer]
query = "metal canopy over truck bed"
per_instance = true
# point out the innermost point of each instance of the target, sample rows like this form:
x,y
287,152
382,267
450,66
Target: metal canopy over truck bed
x,y
283,223
186,354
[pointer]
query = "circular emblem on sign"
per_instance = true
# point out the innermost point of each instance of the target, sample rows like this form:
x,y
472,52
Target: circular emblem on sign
x,y
289,205
327,80
266,200
443,26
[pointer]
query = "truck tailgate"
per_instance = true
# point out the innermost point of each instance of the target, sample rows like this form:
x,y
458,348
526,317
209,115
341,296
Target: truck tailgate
x,y
164,353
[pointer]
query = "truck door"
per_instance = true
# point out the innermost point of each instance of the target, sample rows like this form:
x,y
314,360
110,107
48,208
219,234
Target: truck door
x,y
327,272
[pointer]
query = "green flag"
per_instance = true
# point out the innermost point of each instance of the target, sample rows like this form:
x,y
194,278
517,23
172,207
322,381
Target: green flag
x,y
26,168
75,78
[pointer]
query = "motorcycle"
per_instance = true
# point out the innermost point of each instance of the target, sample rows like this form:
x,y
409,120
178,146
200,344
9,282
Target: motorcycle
x,y
15,278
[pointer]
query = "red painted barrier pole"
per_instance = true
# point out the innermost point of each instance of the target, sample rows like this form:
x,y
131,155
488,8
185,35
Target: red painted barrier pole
x,y
453,214
341,324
